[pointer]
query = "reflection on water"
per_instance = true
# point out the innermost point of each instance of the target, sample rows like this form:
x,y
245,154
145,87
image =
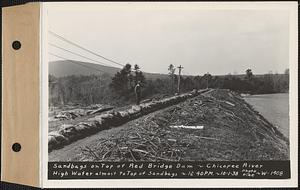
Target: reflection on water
x,y
274,107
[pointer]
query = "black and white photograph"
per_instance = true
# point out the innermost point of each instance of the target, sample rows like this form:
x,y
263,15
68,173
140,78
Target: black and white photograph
x,y
168,83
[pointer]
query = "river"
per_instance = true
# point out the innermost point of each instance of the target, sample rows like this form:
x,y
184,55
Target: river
x,y
274,107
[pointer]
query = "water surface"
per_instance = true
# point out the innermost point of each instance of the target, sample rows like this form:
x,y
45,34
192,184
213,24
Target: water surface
x,y
274,107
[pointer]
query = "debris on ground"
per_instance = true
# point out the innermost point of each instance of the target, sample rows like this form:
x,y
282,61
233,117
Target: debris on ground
x,y
187,127
115,118
232,131
72,113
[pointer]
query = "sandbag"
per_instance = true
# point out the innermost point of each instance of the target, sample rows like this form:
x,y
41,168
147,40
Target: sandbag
x,y
107,117
52,142
56,140
124,114
82,128
68,131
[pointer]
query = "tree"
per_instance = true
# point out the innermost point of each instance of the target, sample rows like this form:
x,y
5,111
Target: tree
x,y
228,81
249,74
52,78
121,81
139,76
187,84
171,70
132,81
287,71
207,78
197,82
136,71
150,88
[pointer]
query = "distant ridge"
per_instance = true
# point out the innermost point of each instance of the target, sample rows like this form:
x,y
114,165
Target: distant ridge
x,y
66,68
63,68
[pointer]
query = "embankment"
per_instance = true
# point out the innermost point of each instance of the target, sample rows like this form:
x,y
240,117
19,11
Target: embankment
x,y
67,134
229,129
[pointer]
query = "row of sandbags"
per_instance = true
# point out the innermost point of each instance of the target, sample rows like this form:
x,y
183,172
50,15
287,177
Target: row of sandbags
x,y
67,115
67,134
72,114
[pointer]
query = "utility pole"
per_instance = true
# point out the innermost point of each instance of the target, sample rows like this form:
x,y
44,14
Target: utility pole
x,y
179,73
207,76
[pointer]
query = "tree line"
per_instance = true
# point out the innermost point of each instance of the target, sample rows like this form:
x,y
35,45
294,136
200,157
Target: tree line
x,y
119,89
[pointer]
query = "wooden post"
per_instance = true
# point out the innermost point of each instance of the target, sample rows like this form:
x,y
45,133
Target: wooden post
x,y
207,76
179,73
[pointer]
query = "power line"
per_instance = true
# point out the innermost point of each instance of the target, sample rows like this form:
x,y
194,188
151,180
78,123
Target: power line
x,y
70,42
92,68
76,54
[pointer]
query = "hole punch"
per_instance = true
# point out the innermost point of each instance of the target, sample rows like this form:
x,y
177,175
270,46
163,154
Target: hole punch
x,y
16,147
16,45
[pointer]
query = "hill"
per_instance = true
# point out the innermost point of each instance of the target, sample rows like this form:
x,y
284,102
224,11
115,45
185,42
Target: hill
x,y
65,68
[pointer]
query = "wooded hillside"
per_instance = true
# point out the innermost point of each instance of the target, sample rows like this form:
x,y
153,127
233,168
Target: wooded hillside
x,y
107,88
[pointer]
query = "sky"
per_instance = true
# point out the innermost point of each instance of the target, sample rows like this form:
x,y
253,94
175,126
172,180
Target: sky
x,y
218,41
